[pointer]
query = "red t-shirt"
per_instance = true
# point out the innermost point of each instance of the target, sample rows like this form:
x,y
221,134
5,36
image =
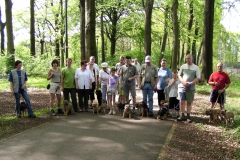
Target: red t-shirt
x,y
222,78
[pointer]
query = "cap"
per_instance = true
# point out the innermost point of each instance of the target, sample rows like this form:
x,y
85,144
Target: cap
x,y
104,64
148,58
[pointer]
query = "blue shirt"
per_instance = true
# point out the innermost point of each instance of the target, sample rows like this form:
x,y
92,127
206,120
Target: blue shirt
x,y
10,78
163,74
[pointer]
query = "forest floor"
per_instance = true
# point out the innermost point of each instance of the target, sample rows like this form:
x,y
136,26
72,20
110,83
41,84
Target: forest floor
x,y
197,140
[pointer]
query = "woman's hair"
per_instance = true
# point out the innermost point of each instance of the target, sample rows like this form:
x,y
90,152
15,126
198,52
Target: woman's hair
x,y
113,70
17,63
55,61
83,62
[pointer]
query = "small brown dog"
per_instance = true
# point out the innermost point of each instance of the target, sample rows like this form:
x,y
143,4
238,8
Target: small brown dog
x,y
139,106
229,116
22,109
103,106
145,110
127,111
95,106
120,108
214,114
67,107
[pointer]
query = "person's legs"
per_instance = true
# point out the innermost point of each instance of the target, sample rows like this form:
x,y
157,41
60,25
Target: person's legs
x,y
27,100
74,99
144,93
86,97
161,97
80,99
110,103
104,91
17,103
150,98
66,92
113,103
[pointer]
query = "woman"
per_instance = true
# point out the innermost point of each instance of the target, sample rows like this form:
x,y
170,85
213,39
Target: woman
x,y
164,74
111,90
103,79
94,75
83,81
55,75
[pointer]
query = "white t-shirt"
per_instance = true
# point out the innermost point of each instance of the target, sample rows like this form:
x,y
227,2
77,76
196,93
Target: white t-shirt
x,y
104,75
174,89
96,68
83,77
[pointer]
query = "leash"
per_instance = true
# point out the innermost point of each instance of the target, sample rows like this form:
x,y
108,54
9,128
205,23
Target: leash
x,y
216,101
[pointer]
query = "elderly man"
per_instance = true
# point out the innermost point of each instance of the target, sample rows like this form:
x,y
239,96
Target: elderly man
x,y
188,75
148,81
220,81
128,74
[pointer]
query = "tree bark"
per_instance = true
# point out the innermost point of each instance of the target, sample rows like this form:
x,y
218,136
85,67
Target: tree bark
x,y
148,6
207,40
82,29
190,24
2,25
62,31
10,40
175,35
102,36
194,51
199,53
32,29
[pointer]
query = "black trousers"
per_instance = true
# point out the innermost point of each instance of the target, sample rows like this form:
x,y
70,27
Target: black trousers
x,y
83,95
72,92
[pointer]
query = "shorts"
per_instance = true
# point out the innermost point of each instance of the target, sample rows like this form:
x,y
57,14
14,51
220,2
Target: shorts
x,y
173,103
214,96
54,88
111,91
188,95
128,89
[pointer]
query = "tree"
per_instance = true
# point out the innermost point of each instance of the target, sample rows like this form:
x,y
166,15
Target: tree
x,y
207,55
2,26
82,28
148,6
10,41
32,28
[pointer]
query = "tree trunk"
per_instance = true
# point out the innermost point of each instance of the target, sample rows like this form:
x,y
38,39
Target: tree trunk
x,y
113,32
90,30
2,25
148,6
10,41
102,36
32,29
182,55
190,24
194,51
199,53
82,29
175,35
62,33
42,46
207,40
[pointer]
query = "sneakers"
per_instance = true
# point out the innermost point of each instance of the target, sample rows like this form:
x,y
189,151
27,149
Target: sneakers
x,y
114,113
53,112
182,118
60,111
110,112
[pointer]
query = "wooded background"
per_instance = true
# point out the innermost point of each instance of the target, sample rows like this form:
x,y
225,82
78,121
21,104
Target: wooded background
x,y
107,29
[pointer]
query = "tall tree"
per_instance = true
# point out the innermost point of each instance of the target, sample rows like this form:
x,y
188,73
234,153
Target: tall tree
x,y
102,35
175,49
91,30
82,28
190,24
2,26
32,28
148,6
207,40
10,41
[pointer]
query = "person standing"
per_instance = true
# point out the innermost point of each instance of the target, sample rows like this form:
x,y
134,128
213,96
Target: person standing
x,y
68,84
164,73
118,66
55,75
111,90
83,82
128,74
188,75
220,81
148,81
103,79
18,80
95,66
94,80
138,66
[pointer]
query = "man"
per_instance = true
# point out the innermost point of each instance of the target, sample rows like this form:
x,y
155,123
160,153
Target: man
x,y
118,66
148,81
220,81
188,75
18,79
68,85
128,74
138,66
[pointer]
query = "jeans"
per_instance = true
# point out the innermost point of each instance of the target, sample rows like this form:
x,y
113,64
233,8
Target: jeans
x,y
72,91
147,92
104,92
27,100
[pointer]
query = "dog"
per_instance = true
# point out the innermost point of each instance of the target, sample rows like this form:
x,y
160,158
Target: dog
x,y
145,110
139,106
120,107
22,108
228,116
214,114
67,107
162,113
95,106
99,96
103,106
127,111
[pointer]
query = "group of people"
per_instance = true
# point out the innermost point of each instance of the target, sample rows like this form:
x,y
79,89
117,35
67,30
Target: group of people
x,y
122,80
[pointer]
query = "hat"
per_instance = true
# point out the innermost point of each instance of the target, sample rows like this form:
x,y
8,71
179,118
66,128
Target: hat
x,y
148,58
104,64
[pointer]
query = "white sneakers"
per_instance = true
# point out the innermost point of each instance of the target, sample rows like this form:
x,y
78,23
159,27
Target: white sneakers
x,y
112,112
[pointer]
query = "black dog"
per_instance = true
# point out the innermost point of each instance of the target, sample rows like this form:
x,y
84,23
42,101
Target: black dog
x,y
162,114
99,97
22,108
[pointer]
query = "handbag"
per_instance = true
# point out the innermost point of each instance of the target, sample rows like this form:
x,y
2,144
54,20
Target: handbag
x,y
48,86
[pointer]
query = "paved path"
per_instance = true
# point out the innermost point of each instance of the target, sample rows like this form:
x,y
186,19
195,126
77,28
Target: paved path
x,y
90,137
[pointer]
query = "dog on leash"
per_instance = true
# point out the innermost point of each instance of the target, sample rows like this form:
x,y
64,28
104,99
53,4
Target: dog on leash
x,y
214,114
228,116
139,106
145,110
95,106
127,111
67,107
162,113
103,106
120,108
22,109
99,96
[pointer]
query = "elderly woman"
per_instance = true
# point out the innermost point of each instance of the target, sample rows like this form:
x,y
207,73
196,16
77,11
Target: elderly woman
x,y
54,75
83,81
103,79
